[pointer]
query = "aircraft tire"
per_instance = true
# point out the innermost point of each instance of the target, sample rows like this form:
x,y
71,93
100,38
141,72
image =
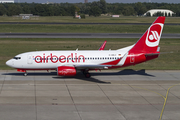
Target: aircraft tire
x,y
87,75
25,74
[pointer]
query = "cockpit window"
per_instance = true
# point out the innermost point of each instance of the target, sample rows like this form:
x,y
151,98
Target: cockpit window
x,y
17,58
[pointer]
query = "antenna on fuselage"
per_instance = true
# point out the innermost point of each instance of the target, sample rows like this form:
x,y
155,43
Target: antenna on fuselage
x,y
77,49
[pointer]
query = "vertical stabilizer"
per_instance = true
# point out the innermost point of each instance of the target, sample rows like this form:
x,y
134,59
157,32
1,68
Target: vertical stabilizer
x,y
149,42
146,48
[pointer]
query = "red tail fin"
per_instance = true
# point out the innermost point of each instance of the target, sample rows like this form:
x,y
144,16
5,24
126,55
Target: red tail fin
x,y
149,42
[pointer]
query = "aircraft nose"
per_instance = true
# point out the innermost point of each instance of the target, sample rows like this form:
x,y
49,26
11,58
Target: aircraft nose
x,y
9,63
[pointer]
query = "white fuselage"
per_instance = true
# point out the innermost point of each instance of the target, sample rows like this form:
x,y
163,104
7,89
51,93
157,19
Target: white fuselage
x,y
53,59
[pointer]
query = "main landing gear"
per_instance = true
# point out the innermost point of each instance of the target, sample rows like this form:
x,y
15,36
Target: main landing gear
x,y
86,74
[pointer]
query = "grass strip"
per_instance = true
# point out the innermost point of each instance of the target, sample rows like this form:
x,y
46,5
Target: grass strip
x,y
101,19
82,28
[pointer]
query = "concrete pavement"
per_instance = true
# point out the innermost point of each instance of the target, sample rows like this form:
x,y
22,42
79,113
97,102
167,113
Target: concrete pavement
x,y
108,95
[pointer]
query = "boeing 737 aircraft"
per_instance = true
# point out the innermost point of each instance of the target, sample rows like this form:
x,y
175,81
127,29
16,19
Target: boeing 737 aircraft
x,y
68,63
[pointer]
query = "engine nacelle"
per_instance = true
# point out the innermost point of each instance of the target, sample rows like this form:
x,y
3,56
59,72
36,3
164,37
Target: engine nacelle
x,y
66,71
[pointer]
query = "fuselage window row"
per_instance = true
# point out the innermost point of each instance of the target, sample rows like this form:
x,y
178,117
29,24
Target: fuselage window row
x,y
106,58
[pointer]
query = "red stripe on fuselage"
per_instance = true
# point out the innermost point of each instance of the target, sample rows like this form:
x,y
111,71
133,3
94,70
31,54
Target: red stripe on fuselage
x,y
115,62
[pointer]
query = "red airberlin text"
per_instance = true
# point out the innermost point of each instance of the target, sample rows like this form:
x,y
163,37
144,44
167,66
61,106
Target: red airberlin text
x,y
62,59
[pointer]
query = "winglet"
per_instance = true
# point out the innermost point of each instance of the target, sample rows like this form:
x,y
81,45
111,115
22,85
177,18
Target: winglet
x,y
103,46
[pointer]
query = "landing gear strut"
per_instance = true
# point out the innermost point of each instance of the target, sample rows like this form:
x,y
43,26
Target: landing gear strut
x,y
86,74
24,71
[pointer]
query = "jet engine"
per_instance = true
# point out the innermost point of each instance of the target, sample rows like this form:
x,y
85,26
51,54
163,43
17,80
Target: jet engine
x,y
66,71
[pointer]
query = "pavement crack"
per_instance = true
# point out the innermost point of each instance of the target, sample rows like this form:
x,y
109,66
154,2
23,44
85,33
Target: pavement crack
x,y
171,75
112,102
35,97
74,102
143,96
3,83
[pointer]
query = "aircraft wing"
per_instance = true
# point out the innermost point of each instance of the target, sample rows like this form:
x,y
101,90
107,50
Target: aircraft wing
x,y
92,66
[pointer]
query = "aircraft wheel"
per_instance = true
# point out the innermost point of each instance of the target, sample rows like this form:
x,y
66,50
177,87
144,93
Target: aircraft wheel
x,y
87,75
25,74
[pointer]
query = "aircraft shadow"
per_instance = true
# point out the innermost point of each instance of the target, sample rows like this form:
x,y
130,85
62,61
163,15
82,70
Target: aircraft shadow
x,y
80,76
124,72
32,74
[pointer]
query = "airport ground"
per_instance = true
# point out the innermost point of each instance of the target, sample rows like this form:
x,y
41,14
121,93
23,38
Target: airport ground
x,y
151,94
107,95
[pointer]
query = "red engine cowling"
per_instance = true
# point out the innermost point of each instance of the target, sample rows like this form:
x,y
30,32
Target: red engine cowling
x,y
66,71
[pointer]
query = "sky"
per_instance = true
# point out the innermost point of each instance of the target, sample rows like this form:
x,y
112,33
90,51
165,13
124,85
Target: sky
x,y
109,1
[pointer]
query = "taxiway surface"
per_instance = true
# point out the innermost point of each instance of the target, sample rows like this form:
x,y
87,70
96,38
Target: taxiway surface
x,y
107,95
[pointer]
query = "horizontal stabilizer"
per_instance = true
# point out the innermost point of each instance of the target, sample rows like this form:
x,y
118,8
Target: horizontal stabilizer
x,y
151,54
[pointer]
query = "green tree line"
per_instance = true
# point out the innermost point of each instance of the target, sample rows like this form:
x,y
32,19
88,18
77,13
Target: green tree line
x,y
95,8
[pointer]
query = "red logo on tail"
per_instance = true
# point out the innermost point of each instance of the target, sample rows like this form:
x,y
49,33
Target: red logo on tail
x,y
153,35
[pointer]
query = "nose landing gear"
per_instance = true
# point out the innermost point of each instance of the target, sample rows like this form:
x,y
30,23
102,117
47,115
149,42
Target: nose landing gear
x,y
24,71
25,74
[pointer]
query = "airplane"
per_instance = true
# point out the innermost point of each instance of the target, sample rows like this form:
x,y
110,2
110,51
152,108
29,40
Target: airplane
x,y
68,63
